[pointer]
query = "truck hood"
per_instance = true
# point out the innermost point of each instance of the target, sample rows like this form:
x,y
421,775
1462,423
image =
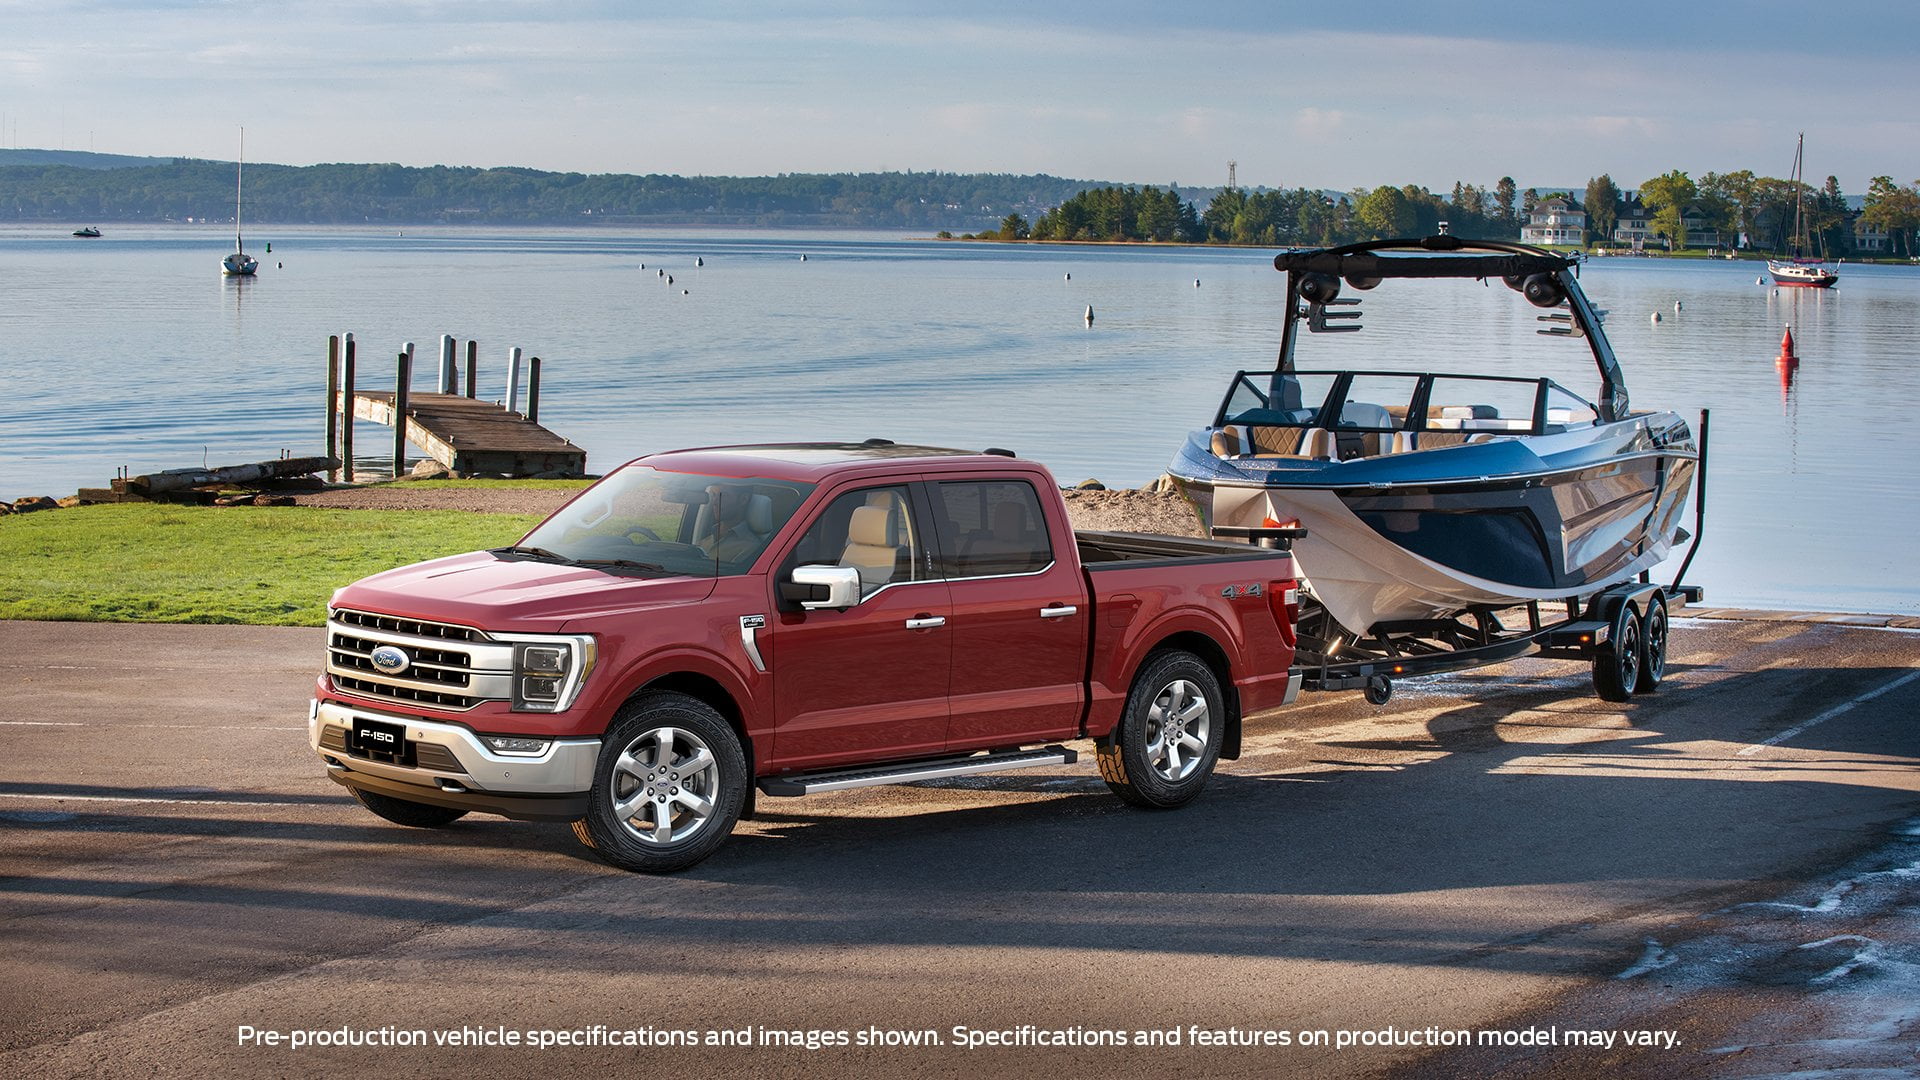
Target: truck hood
x,y
527,595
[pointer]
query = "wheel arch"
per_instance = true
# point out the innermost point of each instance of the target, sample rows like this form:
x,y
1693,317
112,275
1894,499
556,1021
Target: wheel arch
x,y
710,691
1212,654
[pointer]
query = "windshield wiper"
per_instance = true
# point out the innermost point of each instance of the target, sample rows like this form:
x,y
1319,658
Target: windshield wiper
x,y
531,552
624,564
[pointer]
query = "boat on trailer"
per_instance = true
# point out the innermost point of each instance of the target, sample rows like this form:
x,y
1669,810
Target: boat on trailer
x,y
1425,503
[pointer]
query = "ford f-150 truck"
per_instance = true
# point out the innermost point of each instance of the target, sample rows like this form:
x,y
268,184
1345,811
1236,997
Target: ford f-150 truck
x,y
704,626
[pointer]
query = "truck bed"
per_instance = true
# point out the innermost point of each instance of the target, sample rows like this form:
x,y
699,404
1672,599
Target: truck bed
x,y
1108,550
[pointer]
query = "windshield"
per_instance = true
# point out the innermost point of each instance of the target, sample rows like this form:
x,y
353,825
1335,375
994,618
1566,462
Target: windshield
x,y
645,521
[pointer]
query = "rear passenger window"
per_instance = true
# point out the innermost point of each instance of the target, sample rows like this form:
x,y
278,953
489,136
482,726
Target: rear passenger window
x,y
991,527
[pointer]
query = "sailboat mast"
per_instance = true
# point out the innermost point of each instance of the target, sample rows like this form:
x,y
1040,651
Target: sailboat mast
x,y
239,167
1799,193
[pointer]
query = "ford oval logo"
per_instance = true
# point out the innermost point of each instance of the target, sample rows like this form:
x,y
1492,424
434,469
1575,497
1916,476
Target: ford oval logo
x,y
390,660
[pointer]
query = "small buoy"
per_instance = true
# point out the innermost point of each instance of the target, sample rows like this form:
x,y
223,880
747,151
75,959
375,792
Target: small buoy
x,y
279,266
683,292
1069,277
803,258
669,279
657,272
1196,283
1787,353
1676,305
643,266
1759,281
698,261
1089,314
1656,316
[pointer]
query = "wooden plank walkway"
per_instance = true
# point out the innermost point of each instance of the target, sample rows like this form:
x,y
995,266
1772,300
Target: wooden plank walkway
x,y
471,436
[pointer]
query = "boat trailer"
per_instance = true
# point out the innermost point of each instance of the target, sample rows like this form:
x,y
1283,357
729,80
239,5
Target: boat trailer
x,y
1621,629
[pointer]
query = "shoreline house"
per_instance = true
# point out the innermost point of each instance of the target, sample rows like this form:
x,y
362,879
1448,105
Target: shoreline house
x,y
1634,227
1555,220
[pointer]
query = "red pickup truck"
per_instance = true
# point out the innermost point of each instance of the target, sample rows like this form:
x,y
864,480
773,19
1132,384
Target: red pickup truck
x,y
704,625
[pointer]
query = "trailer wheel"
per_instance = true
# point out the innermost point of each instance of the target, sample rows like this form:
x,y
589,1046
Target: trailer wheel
x,y
407,812
1379,689
1616,665
1653,645
1160,754
668,787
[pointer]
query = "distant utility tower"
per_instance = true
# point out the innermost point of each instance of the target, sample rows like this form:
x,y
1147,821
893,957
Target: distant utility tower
x,y
1232,183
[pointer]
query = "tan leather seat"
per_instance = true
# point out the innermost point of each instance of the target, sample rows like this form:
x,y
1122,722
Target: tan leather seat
x,y
870,546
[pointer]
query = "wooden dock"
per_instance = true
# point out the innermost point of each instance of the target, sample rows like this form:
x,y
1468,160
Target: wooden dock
x,y
471,437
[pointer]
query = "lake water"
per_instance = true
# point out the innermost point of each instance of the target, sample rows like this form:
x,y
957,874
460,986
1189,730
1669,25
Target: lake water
x,y
131,350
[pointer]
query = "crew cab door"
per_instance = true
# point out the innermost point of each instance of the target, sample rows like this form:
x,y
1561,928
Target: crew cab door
x,y
869,682
1020,613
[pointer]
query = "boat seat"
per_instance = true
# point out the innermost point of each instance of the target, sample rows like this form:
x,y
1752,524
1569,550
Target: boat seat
x,y
1267,441
1435,440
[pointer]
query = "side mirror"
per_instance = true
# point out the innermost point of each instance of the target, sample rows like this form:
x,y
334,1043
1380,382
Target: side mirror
x,y
823,587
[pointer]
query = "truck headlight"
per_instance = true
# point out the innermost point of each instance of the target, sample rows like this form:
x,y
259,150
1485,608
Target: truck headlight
x,y
548,671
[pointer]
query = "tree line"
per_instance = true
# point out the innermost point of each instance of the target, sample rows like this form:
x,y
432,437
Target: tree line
x,y
184,189
1038,207
1728,206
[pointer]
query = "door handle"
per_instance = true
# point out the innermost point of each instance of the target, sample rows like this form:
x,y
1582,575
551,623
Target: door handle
x,y
1058,611
926,622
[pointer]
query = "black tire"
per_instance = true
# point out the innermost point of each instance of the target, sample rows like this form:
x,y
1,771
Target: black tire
x,y
1379,690
668,787
1653,645
1135,760
1616,665
412,814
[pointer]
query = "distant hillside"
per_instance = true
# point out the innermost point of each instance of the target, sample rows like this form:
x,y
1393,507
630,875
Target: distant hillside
x,y
79,159
40,185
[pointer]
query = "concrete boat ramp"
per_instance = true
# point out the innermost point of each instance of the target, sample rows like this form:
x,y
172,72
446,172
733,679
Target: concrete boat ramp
x,y
1725,864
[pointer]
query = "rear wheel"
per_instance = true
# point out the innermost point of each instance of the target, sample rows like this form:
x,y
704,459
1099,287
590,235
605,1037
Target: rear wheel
x,y
669,785
1653,645
1616,665
412,814
1168,738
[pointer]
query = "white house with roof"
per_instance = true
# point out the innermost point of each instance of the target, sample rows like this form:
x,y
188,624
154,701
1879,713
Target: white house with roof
x,y
1555,220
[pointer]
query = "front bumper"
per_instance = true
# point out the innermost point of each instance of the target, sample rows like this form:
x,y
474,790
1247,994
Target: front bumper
x,y
450,766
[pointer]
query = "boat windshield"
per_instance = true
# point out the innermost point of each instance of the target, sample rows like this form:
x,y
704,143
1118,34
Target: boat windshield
x,y
1404,401
647,521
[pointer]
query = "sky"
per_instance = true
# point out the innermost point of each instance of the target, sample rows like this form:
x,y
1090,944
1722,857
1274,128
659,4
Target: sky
x,y
1321,95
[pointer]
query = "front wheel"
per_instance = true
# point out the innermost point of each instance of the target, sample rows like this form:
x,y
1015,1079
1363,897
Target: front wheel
x,y
669,785
1168,738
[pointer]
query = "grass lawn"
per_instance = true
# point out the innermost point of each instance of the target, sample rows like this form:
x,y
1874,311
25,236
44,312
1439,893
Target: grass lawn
x,y
272,566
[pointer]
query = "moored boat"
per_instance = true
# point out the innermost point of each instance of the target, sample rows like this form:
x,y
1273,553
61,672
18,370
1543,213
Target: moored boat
x,y
87,231
1426,494
239,263
1800,270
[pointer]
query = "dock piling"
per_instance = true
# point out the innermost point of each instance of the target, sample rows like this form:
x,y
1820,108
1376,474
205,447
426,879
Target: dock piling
x,y
333,401
533,391
346,407
449,376
513,379
473,368
402,386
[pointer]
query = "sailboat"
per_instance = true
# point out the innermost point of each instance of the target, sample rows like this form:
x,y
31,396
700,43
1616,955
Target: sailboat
x,y
239,264
1803,271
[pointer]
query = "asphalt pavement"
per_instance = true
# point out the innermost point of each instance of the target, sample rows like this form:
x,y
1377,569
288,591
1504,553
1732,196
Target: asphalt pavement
x,y
1721,876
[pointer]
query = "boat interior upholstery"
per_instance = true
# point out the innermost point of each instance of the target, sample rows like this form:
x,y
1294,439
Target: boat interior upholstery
x,y
1366,430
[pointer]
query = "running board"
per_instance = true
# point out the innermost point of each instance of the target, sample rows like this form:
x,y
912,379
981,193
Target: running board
x,y
842,779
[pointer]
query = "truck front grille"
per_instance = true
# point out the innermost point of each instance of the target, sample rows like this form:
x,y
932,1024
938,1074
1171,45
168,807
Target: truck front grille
x,y
439,673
